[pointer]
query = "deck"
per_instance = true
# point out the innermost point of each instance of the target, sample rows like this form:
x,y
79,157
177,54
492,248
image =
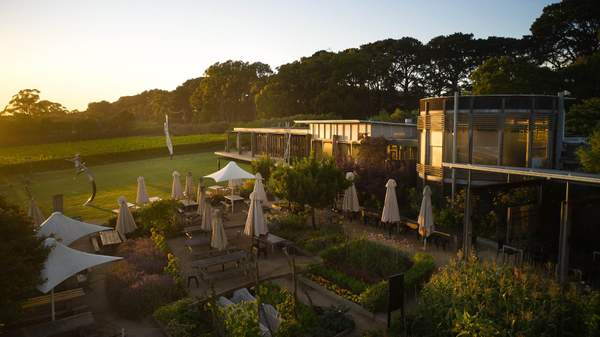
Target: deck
x,y
244,156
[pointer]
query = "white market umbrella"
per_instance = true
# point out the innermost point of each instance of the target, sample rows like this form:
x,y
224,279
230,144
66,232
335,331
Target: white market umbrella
x,y
125,222
255,222
390,212
230,172
142,195
259,188
176,192
189,186
218,239
64,262
350,202
201,199
206,217
65,229
35,213
425,219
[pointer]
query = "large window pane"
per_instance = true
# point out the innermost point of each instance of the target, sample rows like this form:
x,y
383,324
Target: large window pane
x,y
485,147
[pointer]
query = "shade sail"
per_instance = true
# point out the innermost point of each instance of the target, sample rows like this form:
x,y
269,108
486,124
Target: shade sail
x,y
259,188
64,262
125,222
350,202
425,219
35,213
255,222
390,213
218,239
142,195
65,229
176,191
231,171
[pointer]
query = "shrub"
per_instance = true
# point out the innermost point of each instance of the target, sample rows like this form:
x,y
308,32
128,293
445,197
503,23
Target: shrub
x,y
263,165
422,268
119,276
160,215
160,242
478,298
354,285
143,255
375,297
319,243
239,320
182,318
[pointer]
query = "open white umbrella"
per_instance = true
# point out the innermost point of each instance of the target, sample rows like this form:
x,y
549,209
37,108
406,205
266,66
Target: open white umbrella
x,y
125,222
350,202
35,213
425,219
189,186
201,199
218,239
230,172
64,262
65,229
142,195
255,222
176,192
390,212
207,217
259,188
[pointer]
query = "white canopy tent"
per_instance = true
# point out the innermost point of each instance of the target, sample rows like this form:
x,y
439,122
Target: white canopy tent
x,y
350,201
230,172
425,219
142,195
390,213
125,222
218,239
176,192
64,262
255,222
35,213
65,229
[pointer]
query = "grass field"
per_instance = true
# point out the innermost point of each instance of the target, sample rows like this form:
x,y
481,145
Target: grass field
x,y
32,153
113,180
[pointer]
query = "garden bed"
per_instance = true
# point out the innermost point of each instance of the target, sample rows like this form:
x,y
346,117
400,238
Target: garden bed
x,y
358,271
294,227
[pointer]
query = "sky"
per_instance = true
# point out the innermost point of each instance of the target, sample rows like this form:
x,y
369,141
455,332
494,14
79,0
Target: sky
x,y
81,51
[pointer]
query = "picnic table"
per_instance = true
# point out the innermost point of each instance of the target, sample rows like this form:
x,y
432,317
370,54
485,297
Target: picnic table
x,y
197,241
508,251
217,189
108,238
188,203
273,241
60,296
233,198
220,260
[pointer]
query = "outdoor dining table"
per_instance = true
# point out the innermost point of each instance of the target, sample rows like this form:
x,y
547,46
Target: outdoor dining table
x,y
220,260
197,241
233,198
129,205
217,188
109,238
188,202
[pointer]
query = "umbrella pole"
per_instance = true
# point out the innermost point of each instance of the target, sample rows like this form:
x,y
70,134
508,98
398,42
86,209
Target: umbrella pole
x,y
232,201
52,304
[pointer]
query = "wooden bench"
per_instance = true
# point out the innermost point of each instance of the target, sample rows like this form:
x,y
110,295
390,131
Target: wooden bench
x,y
60,296
95,244
440,239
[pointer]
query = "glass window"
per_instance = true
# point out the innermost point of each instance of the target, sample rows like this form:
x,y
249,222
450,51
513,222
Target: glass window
x,y
485,147
347,131
462,145
435,148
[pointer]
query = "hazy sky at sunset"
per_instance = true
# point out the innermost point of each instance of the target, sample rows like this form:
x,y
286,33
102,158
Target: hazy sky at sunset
x,y
80,51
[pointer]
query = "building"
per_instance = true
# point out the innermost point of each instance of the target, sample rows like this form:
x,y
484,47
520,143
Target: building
x,y
336,138
504,130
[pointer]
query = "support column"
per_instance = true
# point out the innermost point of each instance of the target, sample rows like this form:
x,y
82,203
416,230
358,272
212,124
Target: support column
x,y
237,143
501,121
226,141
560,130
454,140
252,144
563,244
467,237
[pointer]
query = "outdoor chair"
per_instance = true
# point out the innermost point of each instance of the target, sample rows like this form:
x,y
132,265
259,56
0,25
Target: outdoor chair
x,y
260,246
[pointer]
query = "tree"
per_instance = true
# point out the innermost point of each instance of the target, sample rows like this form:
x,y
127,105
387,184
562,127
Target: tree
x,y
309,181
583,118
567,30
582,78
22,256
181,98
506,75
589,156
23,103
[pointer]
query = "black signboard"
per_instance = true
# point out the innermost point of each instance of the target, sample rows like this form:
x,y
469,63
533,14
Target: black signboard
x,y
396,296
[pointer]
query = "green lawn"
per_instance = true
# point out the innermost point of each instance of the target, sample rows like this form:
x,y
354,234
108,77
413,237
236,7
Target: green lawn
x,y
113,180
31,153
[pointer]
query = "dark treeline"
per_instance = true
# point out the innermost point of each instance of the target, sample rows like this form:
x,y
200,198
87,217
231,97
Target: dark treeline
x,y
561,53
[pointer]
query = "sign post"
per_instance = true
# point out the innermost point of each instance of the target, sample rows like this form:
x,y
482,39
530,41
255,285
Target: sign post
x,y
396,297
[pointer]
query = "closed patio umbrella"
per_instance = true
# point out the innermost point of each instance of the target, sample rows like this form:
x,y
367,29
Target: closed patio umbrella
x,y
201,199
425,219
207,217
64,262
218,239
142,195
35,213
255,222
65,229
125,222
390,212
259,188
189,186
176,192
350,202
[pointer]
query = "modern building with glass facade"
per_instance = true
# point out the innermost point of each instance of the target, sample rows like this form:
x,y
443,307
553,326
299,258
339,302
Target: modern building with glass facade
x,y
504,130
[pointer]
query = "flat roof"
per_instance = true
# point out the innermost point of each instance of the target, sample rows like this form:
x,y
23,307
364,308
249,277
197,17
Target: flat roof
x,y
531,172
349,121
294,131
